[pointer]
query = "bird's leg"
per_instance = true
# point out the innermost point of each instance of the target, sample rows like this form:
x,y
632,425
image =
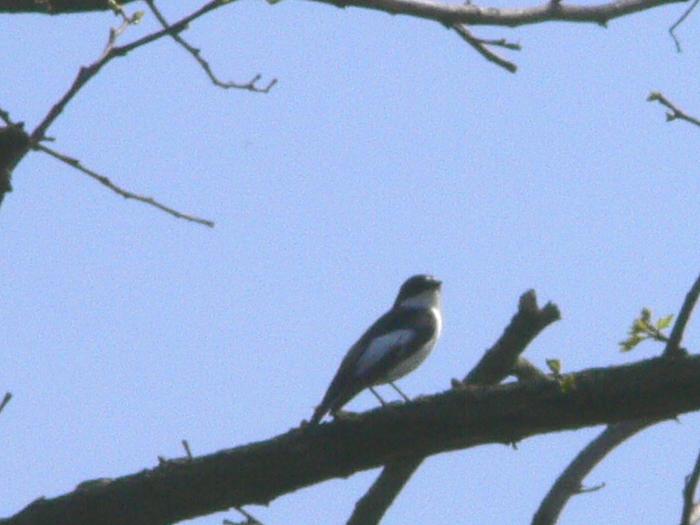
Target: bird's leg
x,y
376,394
405,397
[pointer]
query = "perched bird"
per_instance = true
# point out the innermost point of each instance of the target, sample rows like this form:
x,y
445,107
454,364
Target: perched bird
x,y
393,346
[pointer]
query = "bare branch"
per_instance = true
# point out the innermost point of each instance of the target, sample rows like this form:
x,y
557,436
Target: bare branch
x,y
444,13
75,163
480,46
691,484
186,446
88,72
55,7
673,347
674,112
569,482
84,75
14,144
196,53
493,367
453,14
672,29
5,400
458,418
249,519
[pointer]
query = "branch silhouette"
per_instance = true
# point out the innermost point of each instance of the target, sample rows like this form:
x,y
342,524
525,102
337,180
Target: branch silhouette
x,y
459,418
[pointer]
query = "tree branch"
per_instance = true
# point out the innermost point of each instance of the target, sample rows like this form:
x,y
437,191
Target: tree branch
x,y
448,14
673,347
493,367
251,85
112,51
456,419
55,7
481,47
674,112
677,23
452,14
10,158
5,400
691,484
570,481
105,181
14,144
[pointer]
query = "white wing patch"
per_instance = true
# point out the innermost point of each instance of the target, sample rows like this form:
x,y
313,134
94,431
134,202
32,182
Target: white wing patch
x,y
379,348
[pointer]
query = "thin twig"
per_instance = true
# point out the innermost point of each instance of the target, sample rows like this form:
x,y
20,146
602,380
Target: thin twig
x,y
480,46
691,484
494,366
5,400
196,53
501,42
249,518
5,116
674,112
672,29
88,72
186,446
75,163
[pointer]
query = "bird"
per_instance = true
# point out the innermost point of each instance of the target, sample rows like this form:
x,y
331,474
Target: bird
x,y
396,344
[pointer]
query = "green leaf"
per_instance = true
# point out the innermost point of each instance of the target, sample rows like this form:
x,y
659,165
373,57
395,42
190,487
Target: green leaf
x,y
632,341
664,322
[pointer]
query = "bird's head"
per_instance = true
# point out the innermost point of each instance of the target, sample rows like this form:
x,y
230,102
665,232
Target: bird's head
x,y
419,291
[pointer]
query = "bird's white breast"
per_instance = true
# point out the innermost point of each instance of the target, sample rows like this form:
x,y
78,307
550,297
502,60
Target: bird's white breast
x,y
409,365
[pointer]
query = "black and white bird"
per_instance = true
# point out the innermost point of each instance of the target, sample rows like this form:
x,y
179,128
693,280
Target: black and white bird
x,y
393,346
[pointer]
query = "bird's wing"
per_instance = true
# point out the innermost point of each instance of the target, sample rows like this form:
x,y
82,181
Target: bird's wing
x,y
405,336
345,384
374,353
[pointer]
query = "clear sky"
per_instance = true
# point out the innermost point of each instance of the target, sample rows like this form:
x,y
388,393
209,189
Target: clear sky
x,y
388,148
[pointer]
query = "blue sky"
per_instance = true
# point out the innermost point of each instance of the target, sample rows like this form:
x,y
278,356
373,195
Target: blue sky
x,y
388,148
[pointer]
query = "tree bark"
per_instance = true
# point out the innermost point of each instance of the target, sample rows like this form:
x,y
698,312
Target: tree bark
x,y
456,419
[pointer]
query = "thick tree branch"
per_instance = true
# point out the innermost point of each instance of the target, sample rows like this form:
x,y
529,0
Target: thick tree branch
x,y
55,7
570,481
456,419
14,144
499,360
449,14
496,364
452,14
